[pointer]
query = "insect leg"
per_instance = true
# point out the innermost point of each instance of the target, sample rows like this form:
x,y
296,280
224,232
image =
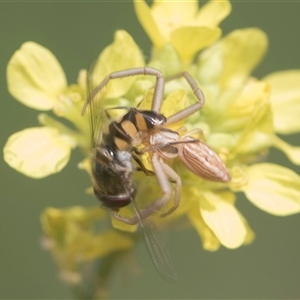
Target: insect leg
x,y
194,107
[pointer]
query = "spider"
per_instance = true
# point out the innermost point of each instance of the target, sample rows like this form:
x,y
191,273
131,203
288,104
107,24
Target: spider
x,y
115,149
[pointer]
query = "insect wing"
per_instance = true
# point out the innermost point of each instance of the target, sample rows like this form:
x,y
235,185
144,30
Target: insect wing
x,y
94,104
157,249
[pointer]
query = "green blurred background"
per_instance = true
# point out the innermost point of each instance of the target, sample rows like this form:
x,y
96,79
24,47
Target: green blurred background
x,y
76,32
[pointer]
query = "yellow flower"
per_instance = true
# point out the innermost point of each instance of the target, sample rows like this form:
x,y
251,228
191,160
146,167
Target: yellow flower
x,y
240,121
182,24
218,221
36,79
72,237
285,104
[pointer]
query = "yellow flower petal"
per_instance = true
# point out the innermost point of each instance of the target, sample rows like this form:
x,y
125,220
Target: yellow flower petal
x,y
221,140
258,133
146,19
234,110
72,234
240,108
85,217
236,55
170,15
293,153
285,100
221,216
213,12
188,40
273,188
114,58
209,240
166,60
175,102
55,221
54,225
106,243
250,235
177,22
35,77
37,152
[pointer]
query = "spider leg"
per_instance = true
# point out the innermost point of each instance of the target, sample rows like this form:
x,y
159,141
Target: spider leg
x,y
197,131
192,108
158,89
174,177
130,221
109,117
161,171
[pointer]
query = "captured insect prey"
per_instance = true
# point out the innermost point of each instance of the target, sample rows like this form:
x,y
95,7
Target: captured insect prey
x,y
118,146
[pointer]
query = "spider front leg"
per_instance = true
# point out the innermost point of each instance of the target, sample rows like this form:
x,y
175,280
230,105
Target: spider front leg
x,y
177,180
158,89
162,172
192,108
192,133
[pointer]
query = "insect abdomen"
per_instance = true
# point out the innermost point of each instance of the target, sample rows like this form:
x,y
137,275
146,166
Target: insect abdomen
x,y
112,178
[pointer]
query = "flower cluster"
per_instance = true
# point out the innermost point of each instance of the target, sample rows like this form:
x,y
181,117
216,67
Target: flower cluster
x,y
240,121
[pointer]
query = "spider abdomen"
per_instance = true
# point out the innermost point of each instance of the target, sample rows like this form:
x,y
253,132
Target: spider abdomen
x,y
202,160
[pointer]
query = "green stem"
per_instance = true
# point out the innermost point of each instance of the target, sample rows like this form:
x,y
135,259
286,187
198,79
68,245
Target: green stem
x,y
96,278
